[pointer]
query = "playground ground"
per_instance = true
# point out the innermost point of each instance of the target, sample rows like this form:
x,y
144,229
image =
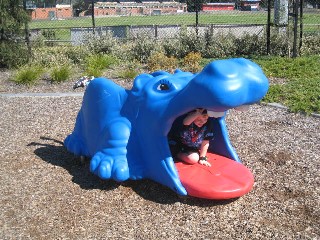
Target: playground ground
x,y
45,193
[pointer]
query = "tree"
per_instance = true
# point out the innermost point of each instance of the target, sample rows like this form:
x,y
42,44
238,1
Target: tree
x,y
12,19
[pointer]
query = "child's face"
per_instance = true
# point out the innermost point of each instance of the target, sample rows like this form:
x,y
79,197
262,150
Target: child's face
x,y
201,120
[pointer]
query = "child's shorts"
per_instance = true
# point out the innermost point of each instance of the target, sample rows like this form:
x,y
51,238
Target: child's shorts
x,y
176,148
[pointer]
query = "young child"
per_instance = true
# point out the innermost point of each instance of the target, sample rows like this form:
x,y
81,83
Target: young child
x,y
189,137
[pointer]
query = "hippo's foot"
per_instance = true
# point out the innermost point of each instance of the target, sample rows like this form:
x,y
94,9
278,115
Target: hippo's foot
x,y
107,166
75,145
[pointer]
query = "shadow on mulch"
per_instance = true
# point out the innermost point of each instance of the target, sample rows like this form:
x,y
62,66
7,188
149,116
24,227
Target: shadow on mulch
x,y
59,156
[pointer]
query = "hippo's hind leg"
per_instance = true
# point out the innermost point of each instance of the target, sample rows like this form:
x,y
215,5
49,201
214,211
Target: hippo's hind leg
x,y
111,161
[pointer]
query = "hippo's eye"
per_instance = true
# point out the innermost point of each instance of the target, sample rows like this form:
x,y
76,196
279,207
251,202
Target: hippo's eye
x,y
163,85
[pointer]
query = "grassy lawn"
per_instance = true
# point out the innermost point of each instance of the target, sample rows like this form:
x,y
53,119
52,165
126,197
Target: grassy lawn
x,y
185,19
300,90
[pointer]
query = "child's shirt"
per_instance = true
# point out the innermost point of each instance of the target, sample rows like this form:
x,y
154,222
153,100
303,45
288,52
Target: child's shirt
x,y
190,135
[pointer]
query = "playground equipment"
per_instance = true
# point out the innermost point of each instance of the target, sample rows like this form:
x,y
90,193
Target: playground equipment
x,y
124,132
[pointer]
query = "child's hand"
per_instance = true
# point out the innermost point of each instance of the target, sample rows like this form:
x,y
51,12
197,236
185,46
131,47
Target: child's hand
x,y
197,112
205,163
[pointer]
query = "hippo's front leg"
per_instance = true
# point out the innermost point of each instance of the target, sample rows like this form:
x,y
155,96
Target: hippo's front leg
x,y
111,161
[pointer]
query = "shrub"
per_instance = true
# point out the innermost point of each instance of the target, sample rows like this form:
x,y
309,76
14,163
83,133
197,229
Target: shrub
x,y
28,75
219,45
143,48
191,62
77,54
159,61
51,56
124,51
102,44
189,42
13,54
250,44
60,74
279,44
185,42
128,73
310,45
97,62
171,47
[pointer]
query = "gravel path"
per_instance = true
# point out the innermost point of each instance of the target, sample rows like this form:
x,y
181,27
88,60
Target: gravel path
x,y
45,193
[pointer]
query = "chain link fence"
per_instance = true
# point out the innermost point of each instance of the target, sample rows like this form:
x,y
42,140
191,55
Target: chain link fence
x,y
69,22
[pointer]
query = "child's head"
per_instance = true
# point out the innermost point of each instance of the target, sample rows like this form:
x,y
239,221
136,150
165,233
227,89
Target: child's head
x,y
202,119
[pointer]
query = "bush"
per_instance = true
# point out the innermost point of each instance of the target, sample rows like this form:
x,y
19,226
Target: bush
x,y
13,54
28,75
310,45
143,48
171,47
187,41
219,45
97,62
279,44
60,74
103,44
248,45
159,61
77,54
51,56
191,62
130,72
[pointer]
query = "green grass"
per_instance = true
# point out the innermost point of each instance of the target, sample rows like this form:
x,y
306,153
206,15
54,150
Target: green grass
x,y
27,75
61,73
185,19
301,90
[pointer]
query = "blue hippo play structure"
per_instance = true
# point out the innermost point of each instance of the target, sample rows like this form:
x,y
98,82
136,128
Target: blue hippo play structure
x,y
124,132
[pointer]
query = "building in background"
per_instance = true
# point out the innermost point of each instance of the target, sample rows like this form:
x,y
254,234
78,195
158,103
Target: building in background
x,y
227,6
52,10
59,11
128,8
250,5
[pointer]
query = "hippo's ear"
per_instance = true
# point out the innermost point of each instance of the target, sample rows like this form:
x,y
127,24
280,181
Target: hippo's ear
x,y
140,81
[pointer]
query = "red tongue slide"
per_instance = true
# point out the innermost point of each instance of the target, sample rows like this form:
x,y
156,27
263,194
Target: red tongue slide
x,y
225,178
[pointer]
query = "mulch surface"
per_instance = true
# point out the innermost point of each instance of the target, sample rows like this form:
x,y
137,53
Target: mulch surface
x,y
47,193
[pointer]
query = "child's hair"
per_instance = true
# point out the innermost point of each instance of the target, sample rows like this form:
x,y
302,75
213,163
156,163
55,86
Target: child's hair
x,y
204,112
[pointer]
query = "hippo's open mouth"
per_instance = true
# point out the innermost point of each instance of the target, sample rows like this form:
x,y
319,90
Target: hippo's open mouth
x,y
221,137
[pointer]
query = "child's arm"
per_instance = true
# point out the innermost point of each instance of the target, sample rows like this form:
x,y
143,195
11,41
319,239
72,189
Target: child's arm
x,y
192,116
203,152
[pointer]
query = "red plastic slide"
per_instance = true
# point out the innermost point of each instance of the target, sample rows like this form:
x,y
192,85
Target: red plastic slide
x,y
225,178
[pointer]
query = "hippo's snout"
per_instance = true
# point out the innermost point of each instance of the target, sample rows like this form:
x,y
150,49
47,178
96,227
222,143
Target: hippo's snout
x,y
224,85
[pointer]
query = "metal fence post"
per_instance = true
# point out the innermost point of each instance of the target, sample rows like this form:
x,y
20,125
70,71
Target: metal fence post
x,y
301,24
268,27
92,16
197,6
295,29
26,31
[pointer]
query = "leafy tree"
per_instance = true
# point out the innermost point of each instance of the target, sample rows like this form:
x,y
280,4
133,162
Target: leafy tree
x,y
12,18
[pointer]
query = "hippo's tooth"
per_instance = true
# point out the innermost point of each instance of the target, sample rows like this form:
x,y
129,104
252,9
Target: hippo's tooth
x,y
215,114
242,108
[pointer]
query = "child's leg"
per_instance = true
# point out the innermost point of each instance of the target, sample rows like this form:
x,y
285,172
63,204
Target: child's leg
x,y
189,157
